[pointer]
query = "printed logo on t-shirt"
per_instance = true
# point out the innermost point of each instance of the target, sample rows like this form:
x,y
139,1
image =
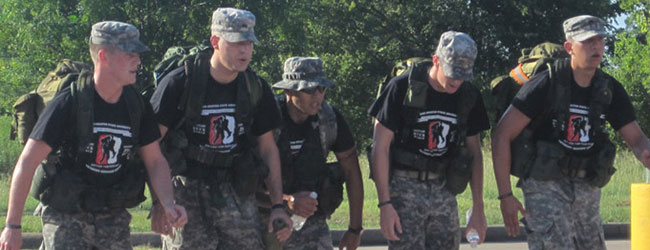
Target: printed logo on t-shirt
x,y
578,129
109,147
296,146
437,131
220,131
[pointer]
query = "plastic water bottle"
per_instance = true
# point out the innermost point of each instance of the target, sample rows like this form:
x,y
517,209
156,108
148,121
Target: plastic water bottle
x,y
472,236
299,221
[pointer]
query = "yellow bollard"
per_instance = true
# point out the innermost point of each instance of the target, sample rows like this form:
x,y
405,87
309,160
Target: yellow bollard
x,y
640,216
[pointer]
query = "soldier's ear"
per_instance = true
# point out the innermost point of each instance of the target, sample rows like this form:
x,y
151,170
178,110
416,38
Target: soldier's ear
x,y
214,41
568,46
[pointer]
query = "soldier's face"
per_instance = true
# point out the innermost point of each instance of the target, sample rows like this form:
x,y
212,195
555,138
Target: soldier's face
x,y
586,54
307,102
124,65
234,56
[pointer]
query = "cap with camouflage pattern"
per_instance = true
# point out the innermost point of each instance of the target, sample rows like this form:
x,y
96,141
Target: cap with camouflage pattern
x,y
234,25
123,36
583,27
303,73
456,53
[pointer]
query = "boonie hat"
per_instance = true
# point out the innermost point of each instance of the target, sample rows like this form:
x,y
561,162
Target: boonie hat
x,y
583,27
456,53
303,73
123,36
234,25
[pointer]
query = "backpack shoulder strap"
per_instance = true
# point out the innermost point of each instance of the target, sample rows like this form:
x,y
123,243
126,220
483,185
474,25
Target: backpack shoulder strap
x,y
83,91
197,72
136,108
249,95
601,98
327,127
467,98
559,95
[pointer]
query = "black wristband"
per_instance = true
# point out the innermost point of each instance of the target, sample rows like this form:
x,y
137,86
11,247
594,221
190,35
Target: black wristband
x,y
381,204
503,196
279,205
13,226
356,231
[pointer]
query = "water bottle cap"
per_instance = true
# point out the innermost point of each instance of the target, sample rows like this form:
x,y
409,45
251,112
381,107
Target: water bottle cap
x,y
313,195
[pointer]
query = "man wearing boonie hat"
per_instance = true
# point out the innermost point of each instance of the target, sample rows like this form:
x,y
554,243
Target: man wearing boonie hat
x,y
428,120
312,128
573,157
86,204
228,141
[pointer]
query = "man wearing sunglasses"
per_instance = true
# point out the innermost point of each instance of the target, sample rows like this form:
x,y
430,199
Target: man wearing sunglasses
x,y
310,130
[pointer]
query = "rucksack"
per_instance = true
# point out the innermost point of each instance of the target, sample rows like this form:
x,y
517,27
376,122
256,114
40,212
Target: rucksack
x,y
29,106
532,61
399,68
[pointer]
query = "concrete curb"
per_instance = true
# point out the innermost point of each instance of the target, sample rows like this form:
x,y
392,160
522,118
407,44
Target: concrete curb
x,y
370,237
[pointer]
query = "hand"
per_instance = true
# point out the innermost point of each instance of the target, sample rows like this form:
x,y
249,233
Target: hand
x,y
645,158
350,241
11,239
510,207
478,222
303,204
176,215
283,234
389,221
158,221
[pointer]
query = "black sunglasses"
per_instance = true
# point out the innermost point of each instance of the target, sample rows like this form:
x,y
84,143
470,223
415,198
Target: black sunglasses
x,y
312,90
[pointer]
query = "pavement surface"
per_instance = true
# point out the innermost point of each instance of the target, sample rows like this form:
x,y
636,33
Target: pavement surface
x,y
617,236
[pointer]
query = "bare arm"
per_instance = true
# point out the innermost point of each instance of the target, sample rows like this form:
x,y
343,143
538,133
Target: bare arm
x,y
510,125
269,153
354,186
389,220
33,153
638,142
477,221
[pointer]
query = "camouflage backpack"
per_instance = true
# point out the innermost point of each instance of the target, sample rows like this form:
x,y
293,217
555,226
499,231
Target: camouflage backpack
x,y
532,61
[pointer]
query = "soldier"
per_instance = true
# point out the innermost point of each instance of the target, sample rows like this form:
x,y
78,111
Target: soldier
x,y
226,141
429,165
570,162
311,129
85,204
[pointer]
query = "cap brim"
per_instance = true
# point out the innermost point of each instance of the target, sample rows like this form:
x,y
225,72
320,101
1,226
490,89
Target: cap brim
x,y
457,72
588,34
299,85
235,37
134,47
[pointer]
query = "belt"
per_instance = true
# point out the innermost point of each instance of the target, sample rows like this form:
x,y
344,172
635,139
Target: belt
x,y
209,157
415,174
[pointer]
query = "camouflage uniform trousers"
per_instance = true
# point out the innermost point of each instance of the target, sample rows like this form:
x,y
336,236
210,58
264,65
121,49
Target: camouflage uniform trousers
x,y
428,213
563,214
85,230
314,235
231,224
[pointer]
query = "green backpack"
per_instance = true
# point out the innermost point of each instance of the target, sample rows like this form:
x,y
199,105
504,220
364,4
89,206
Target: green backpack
x,y
532,61
29,106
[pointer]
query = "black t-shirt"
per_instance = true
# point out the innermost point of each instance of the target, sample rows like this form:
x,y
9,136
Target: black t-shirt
x,y
298,132
217,129
105,158
532,101
434,128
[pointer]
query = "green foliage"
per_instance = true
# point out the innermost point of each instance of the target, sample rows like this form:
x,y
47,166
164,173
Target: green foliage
x,y
359,40
631,61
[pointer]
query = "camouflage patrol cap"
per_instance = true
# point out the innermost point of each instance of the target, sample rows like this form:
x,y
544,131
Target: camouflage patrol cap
x,y
456,53
303,73
234,25
583,27
123,36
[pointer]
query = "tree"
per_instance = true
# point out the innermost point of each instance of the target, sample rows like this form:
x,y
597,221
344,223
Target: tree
x,y
358,40
631,63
